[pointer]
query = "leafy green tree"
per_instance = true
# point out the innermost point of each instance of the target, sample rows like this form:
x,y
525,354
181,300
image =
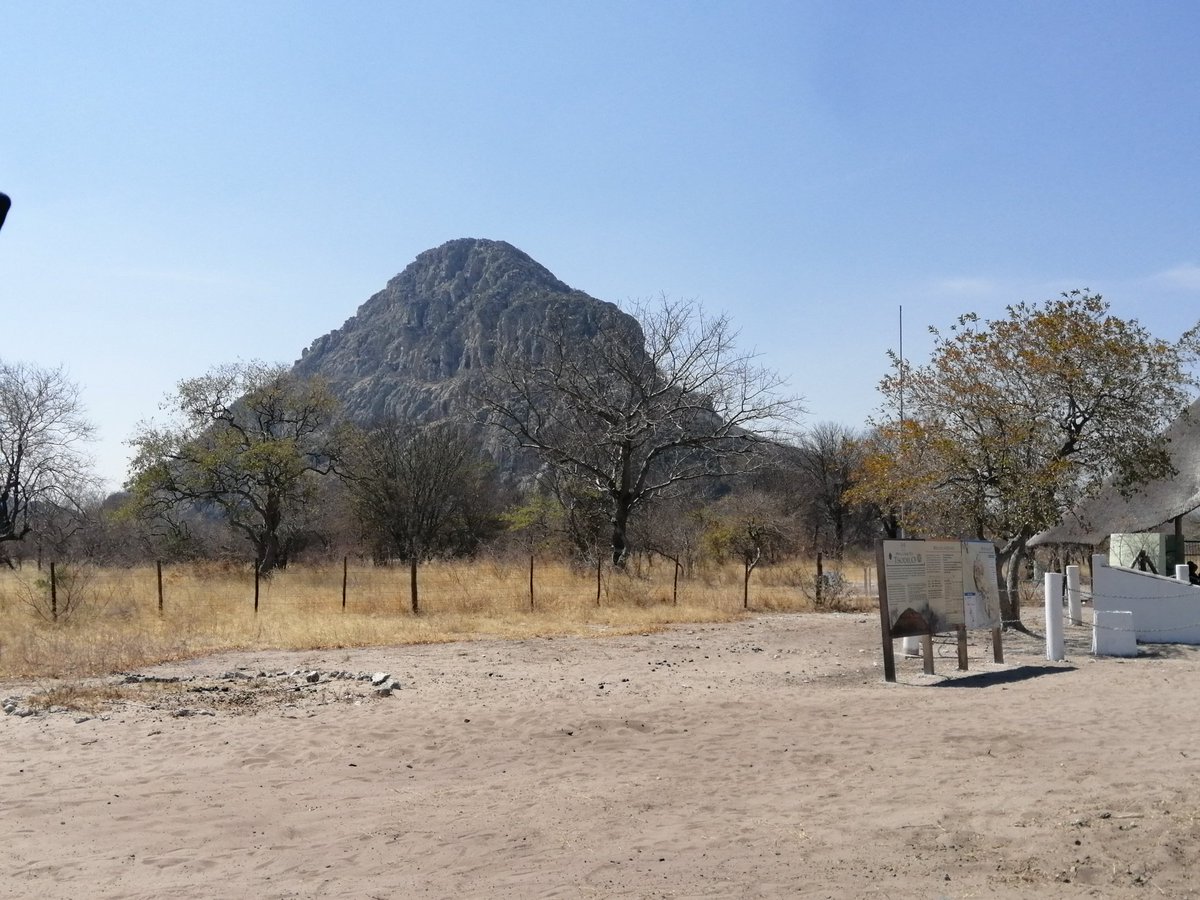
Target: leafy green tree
x,y
534,524
248,440
1015,420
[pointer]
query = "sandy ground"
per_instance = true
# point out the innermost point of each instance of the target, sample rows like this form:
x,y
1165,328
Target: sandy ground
x,y
761,759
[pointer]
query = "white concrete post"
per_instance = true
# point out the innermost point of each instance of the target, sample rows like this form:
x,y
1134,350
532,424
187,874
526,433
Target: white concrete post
x,y
1074,596
1183,574
911,646
1099,561
1053,585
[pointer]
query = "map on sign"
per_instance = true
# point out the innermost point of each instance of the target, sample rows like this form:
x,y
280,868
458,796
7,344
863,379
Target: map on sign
x,y
981,589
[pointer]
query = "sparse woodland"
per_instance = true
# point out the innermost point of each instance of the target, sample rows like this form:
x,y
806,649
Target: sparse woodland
x,y
596,472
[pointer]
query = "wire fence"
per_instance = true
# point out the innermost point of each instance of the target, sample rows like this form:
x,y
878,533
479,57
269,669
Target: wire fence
x,y
56,590
492,585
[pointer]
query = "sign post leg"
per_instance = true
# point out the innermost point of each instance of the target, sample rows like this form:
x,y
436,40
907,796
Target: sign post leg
x,y
885,618
927,652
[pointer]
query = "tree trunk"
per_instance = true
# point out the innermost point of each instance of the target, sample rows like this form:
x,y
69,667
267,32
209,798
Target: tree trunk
x,y
1008,569
891,524
620,525
268,554
750,561
412,584
1012,590
622,505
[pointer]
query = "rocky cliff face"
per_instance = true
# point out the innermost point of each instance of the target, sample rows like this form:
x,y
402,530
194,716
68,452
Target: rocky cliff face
x,y
418,349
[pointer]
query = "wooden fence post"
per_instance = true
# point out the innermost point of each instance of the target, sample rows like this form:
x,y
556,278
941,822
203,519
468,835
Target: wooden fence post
x,y
345,576
256,587
158,569
53,594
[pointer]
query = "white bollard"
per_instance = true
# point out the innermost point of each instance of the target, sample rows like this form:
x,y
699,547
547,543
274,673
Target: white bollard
x,y
1183,574
1074,596
1113,633
1053,585
911,646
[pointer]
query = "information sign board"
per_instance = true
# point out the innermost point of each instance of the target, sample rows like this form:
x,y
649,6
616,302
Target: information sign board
x,y
924,586
935,587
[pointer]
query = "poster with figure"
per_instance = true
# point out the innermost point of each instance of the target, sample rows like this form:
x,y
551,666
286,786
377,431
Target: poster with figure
x,y
981,586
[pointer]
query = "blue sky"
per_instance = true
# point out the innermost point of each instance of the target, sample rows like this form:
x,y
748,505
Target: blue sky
x,y
196,183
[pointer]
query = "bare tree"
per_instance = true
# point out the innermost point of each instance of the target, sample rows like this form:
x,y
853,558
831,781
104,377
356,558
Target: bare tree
x,y
673,528
630,411
420,491
830,459
751,526
42,433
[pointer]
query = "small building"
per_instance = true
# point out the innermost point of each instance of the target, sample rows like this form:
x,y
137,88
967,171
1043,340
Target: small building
x,y
1165,505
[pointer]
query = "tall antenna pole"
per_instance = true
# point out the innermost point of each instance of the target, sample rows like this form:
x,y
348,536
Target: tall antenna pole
x,y
902,370
902,535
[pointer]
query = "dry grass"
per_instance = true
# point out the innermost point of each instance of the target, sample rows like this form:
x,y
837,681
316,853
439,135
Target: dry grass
x,y
113,623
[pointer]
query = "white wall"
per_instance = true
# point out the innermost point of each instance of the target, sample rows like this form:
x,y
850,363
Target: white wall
x,y
1165,610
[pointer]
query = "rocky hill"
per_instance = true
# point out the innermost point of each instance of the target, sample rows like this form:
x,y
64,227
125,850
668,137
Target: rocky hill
x,y
419,348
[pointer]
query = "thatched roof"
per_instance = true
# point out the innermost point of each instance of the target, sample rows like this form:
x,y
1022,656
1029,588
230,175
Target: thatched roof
x,y
1154,503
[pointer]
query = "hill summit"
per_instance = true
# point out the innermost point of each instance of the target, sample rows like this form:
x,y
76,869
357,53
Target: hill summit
x,y
418,349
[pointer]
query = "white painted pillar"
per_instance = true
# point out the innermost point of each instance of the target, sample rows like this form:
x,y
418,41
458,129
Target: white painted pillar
x,y
1099,561
1183,574
1074,596
1053,584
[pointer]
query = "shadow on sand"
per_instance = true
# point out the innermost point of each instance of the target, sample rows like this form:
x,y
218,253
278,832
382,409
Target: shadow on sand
x,y
1168,651
1003,676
